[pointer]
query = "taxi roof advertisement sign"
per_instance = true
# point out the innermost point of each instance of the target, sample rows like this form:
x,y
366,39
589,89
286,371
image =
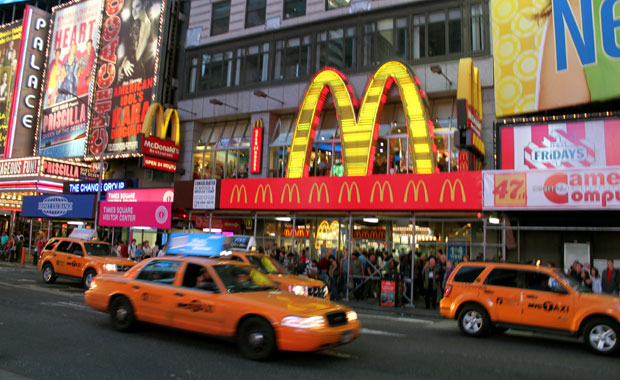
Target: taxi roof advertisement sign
x,y
554,54
195,244
74,41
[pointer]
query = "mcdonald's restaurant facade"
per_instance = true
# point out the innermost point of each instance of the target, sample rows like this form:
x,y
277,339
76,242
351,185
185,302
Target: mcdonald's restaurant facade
x,y
277,130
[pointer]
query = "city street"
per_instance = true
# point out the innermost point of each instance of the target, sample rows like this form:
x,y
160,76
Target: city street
x,y
47,332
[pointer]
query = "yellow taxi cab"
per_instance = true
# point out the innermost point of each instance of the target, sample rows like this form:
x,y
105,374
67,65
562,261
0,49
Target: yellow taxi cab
x,y
80,259
299,285
487,297
222,298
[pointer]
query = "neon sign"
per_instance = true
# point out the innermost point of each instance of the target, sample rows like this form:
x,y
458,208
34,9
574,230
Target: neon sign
x,y
359,132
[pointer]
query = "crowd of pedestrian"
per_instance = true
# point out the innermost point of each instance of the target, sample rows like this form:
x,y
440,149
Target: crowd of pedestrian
x,y
607,282
139,252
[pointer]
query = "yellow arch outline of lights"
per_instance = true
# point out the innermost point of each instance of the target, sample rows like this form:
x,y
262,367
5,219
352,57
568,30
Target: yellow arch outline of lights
x,y
358,136
162,121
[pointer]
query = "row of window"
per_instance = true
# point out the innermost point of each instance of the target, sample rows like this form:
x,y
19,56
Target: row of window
x,y
255,11
354,47
511,278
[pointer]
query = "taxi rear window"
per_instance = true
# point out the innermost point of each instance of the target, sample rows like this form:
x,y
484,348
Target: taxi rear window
x,y
468,274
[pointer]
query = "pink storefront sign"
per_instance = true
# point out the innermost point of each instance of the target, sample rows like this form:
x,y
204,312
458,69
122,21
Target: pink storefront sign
x,y
132,214
141,195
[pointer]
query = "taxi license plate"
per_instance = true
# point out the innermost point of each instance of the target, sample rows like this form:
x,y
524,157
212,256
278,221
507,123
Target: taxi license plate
x,y
346,337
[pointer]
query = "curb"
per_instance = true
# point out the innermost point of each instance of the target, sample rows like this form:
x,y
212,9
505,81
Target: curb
x,y
408,312
18,265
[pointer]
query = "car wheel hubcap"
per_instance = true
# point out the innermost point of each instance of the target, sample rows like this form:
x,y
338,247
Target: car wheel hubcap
x,y
121,314
89,279
256,340
47,273
472,322
603,338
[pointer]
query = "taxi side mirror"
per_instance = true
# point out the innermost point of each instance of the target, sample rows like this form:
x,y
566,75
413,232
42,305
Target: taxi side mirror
x,y
557,288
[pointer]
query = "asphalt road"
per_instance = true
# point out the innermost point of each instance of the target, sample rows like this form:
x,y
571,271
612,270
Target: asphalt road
x,y
47,332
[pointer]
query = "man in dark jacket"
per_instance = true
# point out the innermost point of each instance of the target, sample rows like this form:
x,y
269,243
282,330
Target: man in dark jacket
x,y
610,281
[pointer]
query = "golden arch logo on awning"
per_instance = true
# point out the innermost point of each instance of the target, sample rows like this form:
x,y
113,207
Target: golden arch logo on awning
x,y
381,187
359,131
238,190
416,190
288,189
319,191
349,191
263,191
452,188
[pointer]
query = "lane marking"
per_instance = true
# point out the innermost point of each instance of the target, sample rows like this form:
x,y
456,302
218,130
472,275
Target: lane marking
x,y
338,354
379,332
397,319
70,305
26,280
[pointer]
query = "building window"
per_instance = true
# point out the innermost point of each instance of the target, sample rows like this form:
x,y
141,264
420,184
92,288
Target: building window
x,y
333,4
369,42
419,37
437,34
280,145
477,27
294,8
216,71
255,13
292,59
223,150
220,18
455,31
336,48
401,38
252,64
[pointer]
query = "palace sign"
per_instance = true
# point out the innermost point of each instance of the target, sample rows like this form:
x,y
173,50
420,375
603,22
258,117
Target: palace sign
x,y
441,191
359,132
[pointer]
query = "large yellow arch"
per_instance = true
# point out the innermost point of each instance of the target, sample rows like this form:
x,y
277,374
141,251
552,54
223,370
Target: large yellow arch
x,y
359,134
162,121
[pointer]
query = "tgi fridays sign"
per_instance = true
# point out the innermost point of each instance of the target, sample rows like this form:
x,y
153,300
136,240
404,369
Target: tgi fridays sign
x,y
579,144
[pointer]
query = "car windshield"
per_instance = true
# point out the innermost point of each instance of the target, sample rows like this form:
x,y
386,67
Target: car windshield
x,y
100,249
240,279
266,264
576,285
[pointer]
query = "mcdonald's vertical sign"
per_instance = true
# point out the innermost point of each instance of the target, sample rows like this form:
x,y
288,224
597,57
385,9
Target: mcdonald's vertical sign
x,y
257,143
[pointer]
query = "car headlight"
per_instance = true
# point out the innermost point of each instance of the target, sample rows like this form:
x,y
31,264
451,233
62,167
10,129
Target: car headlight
x,y
298,290
109,267
304,323
351,316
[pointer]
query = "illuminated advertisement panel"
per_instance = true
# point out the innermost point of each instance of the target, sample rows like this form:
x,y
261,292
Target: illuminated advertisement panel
x,y
10,36
28,83
70,71
126,74
359,130
554,54
560,145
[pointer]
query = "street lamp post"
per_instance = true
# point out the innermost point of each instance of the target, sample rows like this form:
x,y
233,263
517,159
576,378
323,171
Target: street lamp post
x,y
105,128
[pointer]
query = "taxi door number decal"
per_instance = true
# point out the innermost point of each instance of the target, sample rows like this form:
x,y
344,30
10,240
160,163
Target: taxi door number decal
x,y
195,306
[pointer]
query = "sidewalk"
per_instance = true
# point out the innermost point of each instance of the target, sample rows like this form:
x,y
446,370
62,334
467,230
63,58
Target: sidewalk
x,y
417,310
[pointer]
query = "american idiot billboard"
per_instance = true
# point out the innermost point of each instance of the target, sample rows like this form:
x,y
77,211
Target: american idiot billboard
x,y
127,73
73,44
10,36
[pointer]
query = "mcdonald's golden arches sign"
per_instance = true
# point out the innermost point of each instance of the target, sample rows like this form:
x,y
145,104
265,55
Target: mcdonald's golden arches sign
x,y
359,130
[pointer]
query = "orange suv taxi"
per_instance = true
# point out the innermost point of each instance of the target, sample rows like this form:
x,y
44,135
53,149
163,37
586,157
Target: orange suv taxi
x,y
81,259
299,285
487,297
222,298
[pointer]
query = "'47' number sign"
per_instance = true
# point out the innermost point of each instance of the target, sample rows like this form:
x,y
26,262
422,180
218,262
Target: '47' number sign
x,y
510,189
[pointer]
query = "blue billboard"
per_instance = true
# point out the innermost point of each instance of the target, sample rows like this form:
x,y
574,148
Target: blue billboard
x,y
195,244
59,206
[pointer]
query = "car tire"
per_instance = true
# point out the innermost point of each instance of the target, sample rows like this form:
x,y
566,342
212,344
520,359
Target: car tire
x,y
602,335
47,273
474,321
122,315
88,278
256,339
